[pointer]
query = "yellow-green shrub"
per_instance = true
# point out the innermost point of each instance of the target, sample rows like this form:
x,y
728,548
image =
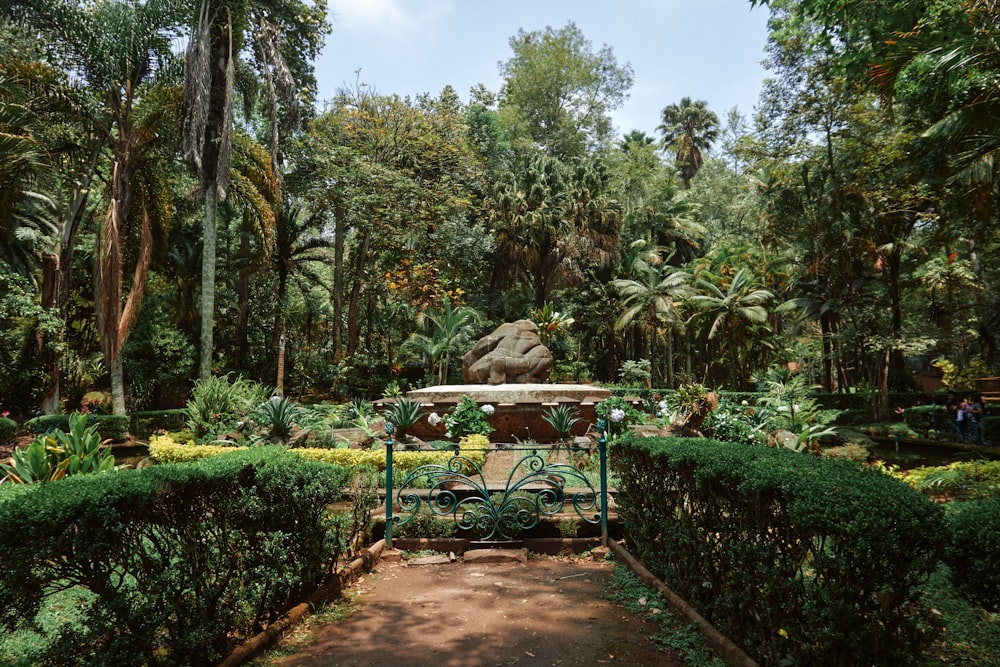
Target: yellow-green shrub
x,y
164,449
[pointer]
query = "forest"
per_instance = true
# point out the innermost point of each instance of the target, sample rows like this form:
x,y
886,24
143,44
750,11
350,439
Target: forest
x,y
175,205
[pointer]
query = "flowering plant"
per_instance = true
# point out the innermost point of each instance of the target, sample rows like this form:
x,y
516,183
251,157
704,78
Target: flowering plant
x,y
618,413
467,418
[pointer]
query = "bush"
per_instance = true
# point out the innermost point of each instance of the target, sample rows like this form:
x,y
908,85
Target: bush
x,y
163,449
8,430
110,427
214,551
147,422
800,559
973,553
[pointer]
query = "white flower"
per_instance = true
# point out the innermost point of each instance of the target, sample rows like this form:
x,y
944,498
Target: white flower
x,y
433,419
795,407
488,409
782,408
663,406
617,415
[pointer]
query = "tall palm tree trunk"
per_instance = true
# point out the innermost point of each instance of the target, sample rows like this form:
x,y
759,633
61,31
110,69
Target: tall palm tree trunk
x,y
208,258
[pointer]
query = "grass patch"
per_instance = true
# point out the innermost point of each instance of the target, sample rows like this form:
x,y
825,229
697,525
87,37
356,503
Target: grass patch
x,y
59,612
675,632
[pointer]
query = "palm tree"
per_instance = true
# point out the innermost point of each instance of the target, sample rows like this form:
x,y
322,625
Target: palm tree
x,y
27,215
119,51
446,326
283,36
731,310
651,299
688,129
298,256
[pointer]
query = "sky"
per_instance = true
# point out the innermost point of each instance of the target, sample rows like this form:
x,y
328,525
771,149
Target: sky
x,y
703,49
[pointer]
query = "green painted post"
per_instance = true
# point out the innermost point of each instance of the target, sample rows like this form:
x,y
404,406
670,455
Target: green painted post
x,y
389,428
602,445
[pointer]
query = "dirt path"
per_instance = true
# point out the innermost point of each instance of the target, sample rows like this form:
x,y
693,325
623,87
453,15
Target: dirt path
x,y
547,611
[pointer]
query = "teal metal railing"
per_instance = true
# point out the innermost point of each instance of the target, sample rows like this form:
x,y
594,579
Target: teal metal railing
x,y
496,510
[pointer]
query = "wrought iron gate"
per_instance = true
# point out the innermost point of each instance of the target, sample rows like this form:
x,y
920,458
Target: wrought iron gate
x,y
458,489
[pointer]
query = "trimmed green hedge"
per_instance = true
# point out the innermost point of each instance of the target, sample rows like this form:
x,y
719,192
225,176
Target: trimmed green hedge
x,y
8,430
110,427
182,562
973,553
802,560
147,422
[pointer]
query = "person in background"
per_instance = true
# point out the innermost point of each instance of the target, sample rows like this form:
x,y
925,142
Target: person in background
x,y
974,420
951,406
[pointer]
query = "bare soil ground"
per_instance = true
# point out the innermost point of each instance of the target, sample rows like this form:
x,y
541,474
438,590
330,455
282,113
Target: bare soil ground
x,y
546,611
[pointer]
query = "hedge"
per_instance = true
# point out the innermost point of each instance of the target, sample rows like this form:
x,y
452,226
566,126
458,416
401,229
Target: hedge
x,y
180,563
973,554
145,423
163,449
110,427
8,430
800,559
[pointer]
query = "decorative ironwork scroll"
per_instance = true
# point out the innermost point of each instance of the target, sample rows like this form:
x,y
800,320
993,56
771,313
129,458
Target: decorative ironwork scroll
x,y
533,489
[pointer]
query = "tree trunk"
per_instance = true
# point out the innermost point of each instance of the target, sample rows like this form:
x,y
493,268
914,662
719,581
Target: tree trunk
x,y
339,232
353,329
243,301
117,388
279,389
208,281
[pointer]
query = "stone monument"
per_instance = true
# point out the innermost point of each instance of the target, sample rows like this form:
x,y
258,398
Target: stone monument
x,y
513,353
507,369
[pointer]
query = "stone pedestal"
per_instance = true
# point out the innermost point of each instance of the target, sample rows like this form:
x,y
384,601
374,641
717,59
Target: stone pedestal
x,y
519,408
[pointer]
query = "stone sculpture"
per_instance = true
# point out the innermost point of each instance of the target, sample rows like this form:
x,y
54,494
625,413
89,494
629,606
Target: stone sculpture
x,y
513,353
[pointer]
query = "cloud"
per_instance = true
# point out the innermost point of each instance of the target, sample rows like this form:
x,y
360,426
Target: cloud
x,y
384,16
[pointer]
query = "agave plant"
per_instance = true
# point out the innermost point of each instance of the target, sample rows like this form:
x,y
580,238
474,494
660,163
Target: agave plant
x,y
277,416
403,414
562,418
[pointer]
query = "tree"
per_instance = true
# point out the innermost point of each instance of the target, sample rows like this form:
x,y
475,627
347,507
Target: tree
x,y
731,308
652,299
446,327
284,36
119,50
688,129
557,93
298,255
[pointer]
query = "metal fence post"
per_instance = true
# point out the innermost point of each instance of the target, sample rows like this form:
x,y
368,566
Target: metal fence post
x,y
602,445
389,429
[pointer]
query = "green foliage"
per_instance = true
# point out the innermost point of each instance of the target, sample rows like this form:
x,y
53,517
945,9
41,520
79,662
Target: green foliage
x,y
967,479
58,454
98,402
468,418
618,414
562,419
8,430
973,553
675,632
37,462
403,413
961,377
214,551
277,416
636,372
219,405
23,375
736,422
799,559
147,422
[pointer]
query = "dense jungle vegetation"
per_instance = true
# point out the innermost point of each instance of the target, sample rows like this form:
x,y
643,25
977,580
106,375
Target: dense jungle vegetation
x,y
174,213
